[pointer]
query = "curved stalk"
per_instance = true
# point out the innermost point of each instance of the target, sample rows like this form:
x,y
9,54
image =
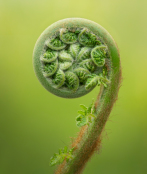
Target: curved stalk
x,y
88,139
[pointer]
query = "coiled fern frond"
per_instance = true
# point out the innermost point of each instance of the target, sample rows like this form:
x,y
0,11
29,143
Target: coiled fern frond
x,y
72,57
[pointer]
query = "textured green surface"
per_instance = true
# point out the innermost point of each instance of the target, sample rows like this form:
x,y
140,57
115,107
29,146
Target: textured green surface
x,y
49,33
34,123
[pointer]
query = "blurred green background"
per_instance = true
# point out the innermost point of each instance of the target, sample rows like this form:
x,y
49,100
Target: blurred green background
x,y
34,123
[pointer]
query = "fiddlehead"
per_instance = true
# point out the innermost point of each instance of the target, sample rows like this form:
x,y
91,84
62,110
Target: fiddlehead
x,y
50,68
64,56
72,81
88,64
84,54
68,36
74,50
82,74
70,58
98,55
55,43
59,78
49,56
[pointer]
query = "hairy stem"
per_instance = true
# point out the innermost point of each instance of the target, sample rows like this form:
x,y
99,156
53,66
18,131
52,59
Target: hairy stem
x,y
89,137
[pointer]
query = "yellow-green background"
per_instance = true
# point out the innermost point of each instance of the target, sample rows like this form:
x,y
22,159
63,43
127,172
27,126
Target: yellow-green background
x,y
34,123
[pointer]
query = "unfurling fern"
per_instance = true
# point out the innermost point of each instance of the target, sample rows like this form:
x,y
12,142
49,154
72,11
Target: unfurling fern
x,y
88,64
94,80
55,44
103,80
87,38
67,36
74,49
64,56
71,57
67,48
98,55
59,78
50,68
82,74
49,56
71,81
91,82
65,65
84,54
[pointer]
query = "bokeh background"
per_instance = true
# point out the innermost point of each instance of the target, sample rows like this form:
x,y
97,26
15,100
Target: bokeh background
x,y
34,123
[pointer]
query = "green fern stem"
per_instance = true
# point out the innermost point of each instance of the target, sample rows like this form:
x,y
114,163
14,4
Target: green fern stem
x,y
88,143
